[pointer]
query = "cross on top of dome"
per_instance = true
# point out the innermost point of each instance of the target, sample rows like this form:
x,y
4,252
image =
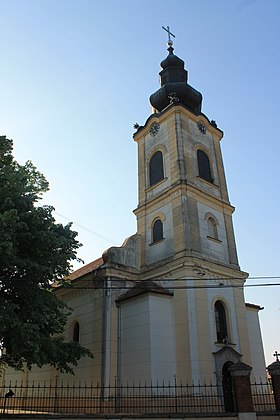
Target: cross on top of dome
x,y
169,42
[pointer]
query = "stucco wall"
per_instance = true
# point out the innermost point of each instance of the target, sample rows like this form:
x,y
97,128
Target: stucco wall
x,y
147,339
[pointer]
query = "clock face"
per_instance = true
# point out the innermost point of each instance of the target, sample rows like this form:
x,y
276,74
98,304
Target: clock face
x,y
201,127
154,129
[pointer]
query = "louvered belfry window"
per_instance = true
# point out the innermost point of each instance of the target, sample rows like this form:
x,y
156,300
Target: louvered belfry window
x,y
156,172
204,169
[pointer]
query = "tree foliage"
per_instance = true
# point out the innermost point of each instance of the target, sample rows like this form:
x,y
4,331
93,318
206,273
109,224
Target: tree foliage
x,y
35,253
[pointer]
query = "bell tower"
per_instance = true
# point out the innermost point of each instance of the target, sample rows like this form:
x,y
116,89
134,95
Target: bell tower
x,y
184,209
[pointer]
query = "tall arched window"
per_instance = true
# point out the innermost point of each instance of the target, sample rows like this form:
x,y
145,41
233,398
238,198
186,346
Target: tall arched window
x,y
204,170
157,231
76,332
221,322
156,172
212,228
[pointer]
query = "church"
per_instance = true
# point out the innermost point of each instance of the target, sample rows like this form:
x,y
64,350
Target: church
x,y
169,303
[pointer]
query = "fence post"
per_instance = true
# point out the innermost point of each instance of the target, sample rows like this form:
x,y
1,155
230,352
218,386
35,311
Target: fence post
x,y
274,371
240,373
9,394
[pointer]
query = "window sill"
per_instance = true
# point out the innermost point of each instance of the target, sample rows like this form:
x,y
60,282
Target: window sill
x,y
156,185
214,239
208,182
221,344
157,242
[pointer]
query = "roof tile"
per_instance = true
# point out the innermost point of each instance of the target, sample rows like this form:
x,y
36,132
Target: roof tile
x,y
86,269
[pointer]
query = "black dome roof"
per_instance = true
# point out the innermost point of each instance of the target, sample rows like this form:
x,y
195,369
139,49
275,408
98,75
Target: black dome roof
x,y
174,84
172,60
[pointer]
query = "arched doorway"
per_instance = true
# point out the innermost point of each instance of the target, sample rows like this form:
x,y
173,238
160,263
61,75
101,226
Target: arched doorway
x,y
228,388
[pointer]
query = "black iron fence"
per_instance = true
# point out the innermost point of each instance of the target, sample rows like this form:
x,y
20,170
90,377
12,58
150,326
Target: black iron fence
x,y
82,398
263,398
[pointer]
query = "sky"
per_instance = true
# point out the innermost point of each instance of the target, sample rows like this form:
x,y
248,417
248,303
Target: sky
x,y
75,75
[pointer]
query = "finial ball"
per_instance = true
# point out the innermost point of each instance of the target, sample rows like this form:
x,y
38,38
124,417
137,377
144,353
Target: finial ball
x,y
170,43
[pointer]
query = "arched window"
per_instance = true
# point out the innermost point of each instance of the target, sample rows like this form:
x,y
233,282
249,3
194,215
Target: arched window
x,y
157,231
212,228
204,170
221,322
76,332
156,172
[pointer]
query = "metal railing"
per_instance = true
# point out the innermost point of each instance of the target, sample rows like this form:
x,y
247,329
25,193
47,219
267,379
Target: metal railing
x,y
263,398
83,398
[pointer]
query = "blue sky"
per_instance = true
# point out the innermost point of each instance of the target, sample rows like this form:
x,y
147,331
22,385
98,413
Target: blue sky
x,y
75,75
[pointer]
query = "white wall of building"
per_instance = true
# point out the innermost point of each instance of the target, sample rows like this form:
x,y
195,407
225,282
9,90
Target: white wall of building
x,y
147,339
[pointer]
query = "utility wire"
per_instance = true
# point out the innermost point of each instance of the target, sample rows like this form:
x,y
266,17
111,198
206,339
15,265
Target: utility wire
x,y
118,244
88,230
188,279
176,279
224,286
72,286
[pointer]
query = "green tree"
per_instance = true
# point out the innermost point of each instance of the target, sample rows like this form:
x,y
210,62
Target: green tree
x,y
35,254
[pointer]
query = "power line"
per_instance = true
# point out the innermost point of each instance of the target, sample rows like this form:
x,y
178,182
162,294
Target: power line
x,y
112,241
88,230
224,286
185,287
220,286
188,279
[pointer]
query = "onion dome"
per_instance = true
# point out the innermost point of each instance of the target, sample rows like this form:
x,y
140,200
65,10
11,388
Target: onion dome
x,y
172,60
174,86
